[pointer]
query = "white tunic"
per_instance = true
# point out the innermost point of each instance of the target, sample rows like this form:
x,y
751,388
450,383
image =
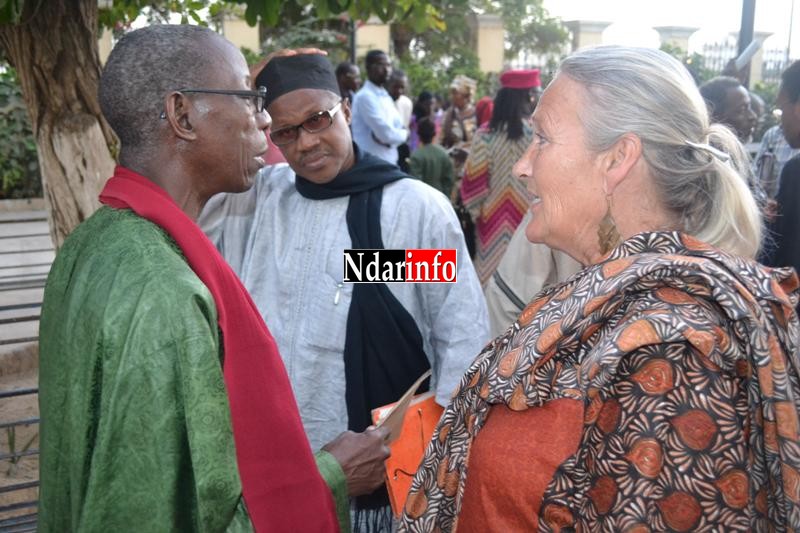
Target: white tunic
x,y
287,250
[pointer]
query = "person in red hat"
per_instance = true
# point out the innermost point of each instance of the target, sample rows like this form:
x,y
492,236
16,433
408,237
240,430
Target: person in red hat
x,y
494,198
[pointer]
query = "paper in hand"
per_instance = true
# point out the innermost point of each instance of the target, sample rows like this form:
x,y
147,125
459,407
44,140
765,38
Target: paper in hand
x,y
393,418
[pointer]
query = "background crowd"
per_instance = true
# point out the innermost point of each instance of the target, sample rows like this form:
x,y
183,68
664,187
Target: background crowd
x,y
464,143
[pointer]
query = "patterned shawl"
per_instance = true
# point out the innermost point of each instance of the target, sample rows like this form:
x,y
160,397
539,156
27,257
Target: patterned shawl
x,y
686,361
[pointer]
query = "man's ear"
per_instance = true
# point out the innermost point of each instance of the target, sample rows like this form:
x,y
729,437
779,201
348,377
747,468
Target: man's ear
x,y
348,114
618,161
178,112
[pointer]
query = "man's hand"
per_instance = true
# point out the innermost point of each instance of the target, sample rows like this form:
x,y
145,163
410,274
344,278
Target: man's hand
x,y
770,210
361,456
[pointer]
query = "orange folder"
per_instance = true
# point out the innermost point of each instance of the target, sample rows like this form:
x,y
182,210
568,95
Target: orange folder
x,y
407,450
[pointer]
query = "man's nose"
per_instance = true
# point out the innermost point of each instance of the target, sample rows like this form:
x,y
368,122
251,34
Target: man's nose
x,y
305,140
263,120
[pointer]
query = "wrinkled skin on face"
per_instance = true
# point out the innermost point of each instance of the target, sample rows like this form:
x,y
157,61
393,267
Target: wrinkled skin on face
x,y
562,175
229,133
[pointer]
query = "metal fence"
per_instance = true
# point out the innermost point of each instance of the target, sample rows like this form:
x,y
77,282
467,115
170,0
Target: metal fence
x,y
717,55
25,257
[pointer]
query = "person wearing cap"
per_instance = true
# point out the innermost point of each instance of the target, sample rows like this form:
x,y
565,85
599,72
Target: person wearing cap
x,y
459,121
494,198
165,405
378,126
348,348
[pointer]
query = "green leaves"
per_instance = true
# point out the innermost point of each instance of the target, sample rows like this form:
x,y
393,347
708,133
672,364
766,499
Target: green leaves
x,y
420,14
10,11
19,164
121,13
13,11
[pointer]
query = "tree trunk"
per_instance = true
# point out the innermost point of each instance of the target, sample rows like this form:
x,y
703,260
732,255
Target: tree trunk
x,y
401,39
54,50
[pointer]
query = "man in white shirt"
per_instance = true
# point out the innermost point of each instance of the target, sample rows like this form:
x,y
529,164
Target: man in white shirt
x,y
377,125
348,348
397,89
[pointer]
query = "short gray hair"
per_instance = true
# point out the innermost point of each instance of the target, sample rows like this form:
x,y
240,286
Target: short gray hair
x,y
700,170
144,66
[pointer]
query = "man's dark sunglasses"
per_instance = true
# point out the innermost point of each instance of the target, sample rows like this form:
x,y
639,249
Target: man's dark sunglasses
x,y
259,96
313,124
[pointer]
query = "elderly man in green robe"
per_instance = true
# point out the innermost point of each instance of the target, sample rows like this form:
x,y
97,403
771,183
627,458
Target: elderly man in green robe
x,y
164,402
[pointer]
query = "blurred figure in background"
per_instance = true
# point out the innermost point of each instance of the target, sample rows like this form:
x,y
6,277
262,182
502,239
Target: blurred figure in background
x,y
459,123
728,103
348,76
483,110
495,199
785,226
430,162
397,88
426,106
773,153
377,126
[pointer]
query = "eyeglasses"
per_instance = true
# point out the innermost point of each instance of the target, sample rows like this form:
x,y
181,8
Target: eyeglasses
x,y
313,124
259,96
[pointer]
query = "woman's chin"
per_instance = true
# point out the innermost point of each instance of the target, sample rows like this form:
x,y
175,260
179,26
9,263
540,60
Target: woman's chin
x,y
534,232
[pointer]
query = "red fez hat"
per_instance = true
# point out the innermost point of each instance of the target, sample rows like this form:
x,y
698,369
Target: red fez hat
x,y
520,79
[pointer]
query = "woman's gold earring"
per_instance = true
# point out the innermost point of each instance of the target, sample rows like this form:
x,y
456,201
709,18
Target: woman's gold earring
x,y
607,233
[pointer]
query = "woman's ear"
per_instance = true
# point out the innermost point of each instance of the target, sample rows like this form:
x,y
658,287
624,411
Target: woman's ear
x,y
620,159
178,113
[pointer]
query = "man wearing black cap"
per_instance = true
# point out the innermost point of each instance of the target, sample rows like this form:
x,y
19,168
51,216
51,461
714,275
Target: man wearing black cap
x,y
348,347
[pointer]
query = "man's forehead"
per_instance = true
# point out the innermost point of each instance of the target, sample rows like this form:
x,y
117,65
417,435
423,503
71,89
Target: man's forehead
x,y
302,102
228,61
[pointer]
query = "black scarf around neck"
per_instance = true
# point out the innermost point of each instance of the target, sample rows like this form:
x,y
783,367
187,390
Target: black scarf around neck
x,y
383,349
383,353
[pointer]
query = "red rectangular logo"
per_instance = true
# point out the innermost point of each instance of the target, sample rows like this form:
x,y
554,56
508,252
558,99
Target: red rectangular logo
x,y
400,266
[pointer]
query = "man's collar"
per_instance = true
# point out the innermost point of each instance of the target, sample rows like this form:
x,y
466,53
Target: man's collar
x,y
375,87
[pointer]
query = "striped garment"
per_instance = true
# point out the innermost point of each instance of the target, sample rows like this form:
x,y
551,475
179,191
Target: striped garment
x,y
496,200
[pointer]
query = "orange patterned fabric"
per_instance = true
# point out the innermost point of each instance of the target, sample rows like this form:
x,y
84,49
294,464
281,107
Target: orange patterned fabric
x,y
513,460
686,361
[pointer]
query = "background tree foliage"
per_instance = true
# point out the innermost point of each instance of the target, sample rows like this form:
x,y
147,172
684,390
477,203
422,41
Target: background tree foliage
x,y
19,167
53,46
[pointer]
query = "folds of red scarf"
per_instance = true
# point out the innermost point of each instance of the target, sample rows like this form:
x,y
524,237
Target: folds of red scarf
x,y
281,484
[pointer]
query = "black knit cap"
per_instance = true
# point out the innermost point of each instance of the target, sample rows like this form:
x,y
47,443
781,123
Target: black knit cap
x,y
289,73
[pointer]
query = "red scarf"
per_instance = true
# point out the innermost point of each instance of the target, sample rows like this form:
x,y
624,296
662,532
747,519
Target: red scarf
x,y
281,484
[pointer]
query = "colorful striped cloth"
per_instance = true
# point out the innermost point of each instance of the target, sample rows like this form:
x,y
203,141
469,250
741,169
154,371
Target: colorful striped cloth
x,y
496,200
